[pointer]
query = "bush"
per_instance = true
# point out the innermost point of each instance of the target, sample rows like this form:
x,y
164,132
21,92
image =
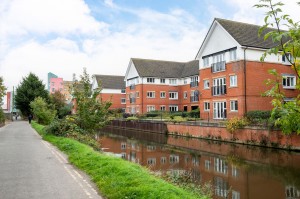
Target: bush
x,y
235,123
195,113
132,118
126,115
182,114
178,119
153,114
2,116
42,111
252,115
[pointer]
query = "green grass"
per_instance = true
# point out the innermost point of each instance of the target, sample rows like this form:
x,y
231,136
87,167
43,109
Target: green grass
x,y
115,177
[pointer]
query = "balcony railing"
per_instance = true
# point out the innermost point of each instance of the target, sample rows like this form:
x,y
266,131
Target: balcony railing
x,y
194,98
132,87
219,90
194,84
132,100
219,66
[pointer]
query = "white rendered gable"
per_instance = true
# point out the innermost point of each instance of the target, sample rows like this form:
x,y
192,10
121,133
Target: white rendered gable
x,y
131,72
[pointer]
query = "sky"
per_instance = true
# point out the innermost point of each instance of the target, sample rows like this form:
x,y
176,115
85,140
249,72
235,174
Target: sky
x,y
64,36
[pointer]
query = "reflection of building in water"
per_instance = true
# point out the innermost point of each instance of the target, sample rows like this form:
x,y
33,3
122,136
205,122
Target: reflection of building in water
x,y
230,178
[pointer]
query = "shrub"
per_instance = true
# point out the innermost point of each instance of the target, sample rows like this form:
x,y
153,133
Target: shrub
x,y
178,119
195,113
182,114
252,115
235,123
153,114
131,118
41,111
2,116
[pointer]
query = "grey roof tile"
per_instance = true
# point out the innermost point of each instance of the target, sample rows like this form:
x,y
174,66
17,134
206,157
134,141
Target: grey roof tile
x,y
111,81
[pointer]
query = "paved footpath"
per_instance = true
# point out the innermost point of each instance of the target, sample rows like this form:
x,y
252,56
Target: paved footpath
x,y
31,168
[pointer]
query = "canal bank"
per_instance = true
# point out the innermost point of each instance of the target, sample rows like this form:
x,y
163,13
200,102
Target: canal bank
x,y
255,136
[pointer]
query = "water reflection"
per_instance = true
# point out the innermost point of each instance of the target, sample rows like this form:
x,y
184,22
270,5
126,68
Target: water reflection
x,y
235,171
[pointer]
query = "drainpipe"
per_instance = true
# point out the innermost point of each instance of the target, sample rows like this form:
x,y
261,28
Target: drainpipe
x,y
142,95
245,80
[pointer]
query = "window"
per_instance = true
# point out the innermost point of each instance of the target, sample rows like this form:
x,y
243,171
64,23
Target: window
x,y
185,81
162,81
289,81
163,160
206,84
151,161
206,61
233,81
162,94
234,105
218,63
123,145
53,89
137,94
173,108
232,54
206,106
219,86
287,57
235,195
150,94
194,96
174,159
194,81
185,95
234,171
220,110
150,108
123,156
221,166
150,80
207,164
123,91
173,81
173,95
123,101
151,148
163,108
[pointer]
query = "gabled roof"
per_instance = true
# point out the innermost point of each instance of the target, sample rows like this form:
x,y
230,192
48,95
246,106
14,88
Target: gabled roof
x,y
247,34
165,69
111,81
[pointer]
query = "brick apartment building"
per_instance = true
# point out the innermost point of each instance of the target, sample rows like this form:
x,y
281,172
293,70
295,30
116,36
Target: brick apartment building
x,y
113,89
161,85
232,76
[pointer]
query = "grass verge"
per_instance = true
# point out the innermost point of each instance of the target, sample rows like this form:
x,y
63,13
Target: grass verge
x,y
115,177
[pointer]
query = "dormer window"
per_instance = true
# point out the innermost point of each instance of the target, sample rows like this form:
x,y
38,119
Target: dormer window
x,y
206,61
150,80
286,57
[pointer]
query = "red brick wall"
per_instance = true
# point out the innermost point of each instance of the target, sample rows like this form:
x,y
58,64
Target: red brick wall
x,y
115,99
257,73
247,135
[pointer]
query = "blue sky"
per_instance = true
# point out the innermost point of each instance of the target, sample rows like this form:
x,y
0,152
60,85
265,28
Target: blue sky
x,y
63,36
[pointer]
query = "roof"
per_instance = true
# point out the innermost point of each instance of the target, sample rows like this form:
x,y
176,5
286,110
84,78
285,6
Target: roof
x,y
165,69
247,34
111,81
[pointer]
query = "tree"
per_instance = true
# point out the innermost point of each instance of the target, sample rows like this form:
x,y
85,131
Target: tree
x,y
29,89
57,99
91,112
287,43
2,90
42,112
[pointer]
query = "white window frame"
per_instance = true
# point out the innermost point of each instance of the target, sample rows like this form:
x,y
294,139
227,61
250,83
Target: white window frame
x,y
207,164
185,95
162,94
173,108
150,108
137,94
289,79
234,107
163,108
206,106
151,80
185,80
232,54
206,62
123,100
151,161
173,81
162,80
173,95
206,84
233,80
150,94
219,108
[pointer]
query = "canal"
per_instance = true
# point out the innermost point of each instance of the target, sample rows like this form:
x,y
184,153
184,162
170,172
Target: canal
x,y
234,171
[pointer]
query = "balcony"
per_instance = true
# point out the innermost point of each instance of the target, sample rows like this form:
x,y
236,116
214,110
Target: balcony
x,y
219,90
194,84
132,87
132,100
218,67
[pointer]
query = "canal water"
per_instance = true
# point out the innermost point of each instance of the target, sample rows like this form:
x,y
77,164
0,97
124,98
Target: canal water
x,y
234,171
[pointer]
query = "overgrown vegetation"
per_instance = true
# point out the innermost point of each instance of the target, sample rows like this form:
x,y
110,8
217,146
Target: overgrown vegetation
x,y
287,44
57,99
2,93
42,111
235,123
115,177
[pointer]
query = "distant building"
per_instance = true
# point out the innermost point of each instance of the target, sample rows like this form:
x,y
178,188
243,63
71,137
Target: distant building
x,y
153,85
66,91
50,75
113,89
56,84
